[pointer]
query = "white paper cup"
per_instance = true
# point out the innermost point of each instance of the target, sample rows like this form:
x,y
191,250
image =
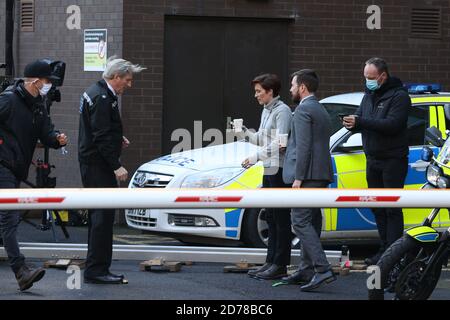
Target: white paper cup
x,y
237,124
283,140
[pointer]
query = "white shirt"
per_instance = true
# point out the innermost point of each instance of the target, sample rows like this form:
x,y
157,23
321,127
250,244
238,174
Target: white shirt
x,y
111,88
311,95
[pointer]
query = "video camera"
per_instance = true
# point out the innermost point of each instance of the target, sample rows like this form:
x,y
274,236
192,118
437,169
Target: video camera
x,y
58,70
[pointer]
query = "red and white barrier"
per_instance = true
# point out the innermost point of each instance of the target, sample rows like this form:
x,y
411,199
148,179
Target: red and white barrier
x,y
30,199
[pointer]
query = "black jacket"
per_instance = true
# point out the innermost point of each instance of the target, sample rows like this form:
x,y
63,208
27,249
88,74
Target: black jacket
x,y
101,134
23,121
382,120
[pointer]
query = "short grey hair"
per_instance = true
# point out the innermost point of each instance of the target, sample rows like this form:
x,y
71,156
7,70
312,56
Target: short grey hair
x,y
120,67
380,64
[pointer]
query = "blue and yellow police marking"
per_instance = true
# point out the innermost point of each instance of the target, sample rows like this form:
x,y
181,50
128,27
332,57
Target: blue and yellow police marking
x,y
423,234
250,179
350,172
430,99
441,121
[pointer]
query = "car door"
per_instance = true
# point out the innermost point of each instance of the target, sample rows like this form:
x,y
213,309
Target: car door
x,y
418,121
349,167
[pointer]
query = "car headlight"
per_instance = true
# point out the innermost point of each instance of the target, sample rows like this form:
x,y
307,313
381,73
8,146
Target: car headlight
x,y
211,179
433,174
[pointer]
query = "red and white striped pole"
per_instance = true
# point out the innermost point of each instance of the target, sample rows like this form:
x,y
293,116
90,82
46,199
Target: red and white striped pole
x,y
31,199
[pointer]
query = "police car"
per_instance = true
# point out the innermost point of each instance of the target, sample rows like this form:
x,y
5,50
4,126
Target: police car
x,y
220,167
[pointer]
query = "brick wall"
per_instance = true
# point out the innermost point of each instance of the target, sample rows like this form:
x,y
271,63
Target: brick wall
x,y
328,35
51,38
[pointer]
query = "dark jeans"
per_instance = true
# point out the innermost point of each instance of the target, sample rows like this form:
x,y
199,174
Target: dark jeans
x,y
9,221
307,224
101,221
279,222
387,173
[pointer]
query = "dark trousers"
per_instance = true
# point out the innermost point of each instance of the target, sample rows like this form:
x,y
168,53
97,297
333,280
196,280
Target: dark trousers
x,y
9,221
279,223
101,221
307,224
387,173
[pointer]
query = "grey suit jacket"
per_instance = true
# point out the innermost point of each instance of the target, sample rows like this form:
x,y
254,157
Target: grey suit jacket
x,y
308,153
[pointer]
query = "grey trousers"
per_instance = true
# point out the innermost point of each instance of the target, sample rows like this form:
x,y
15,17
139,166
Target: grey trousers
x,y
307,225
9,221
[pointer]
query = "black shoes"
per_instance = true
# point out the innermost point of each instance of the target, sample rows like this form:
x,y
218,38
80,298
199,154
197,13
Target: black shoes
x,y
273,273
116,275
297,278
26,277
108,279
252,273
318,279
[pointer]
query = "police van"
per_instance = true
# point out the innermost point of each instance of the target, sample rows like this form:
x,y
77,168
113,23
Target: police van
x,y
220,167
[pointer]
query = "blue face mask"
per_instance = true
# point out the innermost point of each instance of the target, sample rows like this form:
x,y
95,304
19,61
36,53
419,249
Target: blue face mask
x,y
372,85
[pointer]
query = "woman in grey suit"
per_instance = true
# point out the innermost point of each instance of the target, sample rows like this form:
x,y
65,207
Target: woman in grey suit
x,y
275,119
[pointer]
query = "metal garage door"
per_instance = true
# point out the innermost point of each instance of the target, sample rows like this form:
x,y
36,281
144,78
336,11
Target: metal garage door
x,y
208,66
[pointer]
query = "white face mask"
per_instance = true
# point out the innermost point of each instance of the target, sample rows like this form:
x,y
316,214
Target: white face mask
x,y
45,89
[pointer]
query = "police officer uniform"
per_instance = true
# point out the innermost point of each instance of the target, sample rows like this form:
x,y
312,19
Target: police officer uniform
x,y
99,150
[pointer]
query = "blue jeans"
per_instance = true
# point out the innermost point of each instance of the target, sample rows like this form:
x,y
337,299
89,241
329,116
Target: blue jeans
x,y
9,221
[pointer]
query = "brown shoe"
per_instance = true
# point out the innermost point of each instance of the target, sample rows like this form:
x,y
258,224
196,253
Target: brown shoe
x,y
26,277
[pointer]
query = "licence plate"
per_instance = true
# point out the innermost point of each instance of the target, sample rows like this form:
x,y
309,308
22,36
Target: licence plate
x,y
139,212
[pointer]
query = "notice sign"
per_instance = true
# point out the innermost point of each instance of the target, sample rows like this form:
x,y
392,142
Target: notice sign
x,y
95,49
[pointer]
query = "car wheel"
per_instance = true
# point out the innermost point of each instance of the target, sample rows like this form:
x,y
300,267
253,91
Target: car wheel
x,y
255,231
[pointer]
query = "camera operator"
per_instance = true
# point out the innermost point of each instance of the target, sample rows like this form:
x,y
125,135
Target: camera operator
x,y
23,121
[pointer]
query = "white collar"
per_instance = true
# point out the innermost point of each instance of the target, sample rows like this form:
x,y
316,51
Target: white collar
x,y
311,95
111,88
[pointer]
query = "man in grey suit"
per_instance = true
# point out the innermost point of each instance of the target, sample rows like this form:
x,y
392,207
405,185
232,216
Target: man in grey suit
x,y
308,165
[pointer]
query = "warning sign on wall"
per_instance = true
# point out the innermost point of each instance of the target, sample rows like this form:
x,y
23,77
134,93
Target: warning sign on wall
x,y
95,49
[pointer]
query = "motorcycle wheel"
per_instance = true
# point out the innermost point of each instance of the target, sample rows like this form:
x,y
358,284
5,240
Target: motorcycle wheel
x,y
391,264
409,286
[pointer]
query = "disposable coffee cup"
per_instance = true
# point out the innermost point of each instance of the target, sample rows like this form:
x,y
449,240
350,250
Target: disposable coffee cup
x,y
283,140
237,124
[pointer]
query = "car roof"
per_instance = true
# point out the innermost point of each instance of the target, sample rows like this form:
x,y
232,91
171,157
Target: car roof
x,y
355,98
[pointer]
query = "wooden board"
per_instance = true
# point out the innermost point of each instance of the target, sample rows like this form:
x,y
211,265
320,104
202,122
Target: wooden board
x,y
155,266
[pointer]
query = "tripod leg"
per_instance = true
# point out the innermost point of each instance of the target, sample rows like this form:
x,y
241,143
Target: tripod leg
x,y
61,224
52,224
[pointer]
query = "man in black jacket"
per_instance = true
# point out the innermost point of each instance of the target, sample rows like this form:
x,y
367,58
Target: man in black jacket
x,y
382,119
23,121
100,146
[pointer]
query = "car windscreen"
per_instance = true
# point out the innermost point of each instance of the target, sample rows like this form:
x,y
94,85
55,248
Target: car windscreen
x,y
334,110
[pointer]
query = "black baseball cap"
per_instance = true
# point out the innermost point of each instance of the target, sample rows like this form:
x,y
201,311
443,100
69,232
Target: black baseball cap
x,y
39,69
